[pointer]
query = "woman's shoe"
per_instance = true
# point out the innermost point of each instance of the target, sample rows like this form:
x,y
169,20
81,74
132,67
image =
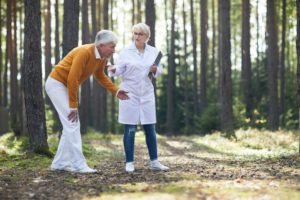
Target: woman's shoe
x,y
157,166
129,167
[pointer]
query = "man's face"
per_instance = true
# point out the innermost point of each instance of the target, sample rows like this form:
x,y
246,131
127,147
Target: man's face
x,y
106,50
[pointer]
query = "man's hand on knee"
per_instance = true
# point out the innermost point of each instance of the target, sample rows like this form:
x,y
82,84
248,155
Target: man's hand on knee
x,y
73,116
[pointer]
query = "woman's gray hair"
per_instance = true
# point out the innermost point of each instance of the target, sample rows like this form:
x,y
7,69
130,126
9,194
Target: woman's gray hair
x,y
105,37
144,28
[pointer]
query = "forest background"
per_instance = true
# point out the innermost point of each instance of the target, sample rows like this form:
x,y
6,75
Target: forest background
x,y
227,64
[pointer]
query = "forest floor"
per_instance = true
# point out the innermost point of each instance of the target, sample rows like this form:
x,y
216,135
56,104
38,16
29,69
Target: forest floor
x,y
255,165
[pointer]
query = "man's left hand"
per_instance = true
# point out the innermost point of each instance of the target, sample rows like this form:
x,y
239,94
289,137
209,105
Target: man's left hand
x,y
122,95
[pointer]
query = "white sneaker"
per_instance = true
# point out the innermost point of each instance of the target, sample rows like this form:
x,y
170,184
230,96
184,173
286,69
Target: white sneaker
x,y
68,169
157,166
129,167
86,170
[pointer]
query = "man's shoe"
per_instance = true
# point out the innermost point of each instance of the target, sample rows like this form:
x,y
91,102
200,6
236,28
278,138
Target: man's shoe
x,y
129,167
86,170
157,166
68,169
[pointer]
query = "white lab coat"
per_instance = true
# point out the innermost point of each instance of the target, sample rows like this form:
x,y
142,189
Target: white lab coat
x,y
133,68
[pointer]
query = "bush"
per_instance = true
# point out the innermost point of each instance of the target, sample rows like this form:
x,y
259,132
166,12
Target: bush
x,y
209,121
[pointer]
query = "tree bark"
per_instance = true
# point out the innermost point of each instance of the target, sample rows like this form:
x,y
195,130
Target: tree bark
x,y
14,89
272,54
85,88
1,90
48,56
171,76
246,60
34,101
195,70
212,74
186,99
298,62
225,68
204,54
8,53
57,27
282,64
70,25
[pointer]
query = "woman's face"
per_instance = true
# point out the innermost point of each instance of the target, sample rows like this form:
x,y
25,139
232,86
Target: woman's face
x,y
139,37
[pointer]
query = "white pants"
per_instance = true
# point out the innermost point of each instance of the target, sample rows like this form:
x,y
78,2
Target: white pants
x,y
69,153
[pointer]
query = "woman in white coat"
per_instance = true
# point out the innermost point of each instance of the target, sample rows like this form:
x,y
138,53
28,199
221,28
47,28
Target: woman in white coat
x,y
135,67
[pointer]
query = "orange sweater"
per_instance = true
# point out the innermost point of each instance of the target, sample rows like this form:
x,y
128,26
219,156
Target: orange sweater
x,y
76,67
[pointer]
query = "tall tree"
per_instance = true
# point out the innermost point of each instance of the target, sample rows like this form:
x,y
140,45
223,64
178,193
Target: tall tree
x,y
150,20
246,60
8,52
1,95
70,25
133,12
85,88
204,54
225,67
282,63
298,61
34,101
48,56
57,28
212,74
186,99
195,70
272,54
171,75
14,93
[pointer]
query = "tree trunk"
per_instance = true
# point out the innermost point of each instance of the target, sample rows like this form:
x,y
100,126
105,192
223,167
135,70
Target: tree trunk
x,y
133,13
57,26
139,11
298,63
272,54
85,88
225,68
14,91
8,52
282,64
204,54
33,91
195,72
212,74
70,25
246,60
186,99
257,87
171,76
48,56
1,91
150,21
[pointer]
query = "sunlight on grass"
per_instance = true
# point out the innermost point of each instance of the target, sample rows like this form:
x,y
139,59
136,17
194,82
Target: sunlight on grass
x,y
251,143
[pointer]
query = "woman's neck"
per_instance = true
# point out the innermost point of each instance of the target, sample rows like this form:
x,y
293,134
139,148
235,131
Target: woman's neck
x,y
140,47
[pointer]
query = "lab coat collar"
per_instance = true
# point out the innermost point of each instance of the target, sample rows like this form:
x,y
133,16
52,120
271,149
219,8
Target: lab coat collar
x,y
133,47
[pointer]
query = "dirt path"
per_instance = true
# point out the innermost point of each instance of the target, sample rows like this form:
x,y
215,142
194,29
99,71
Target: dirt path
x,y
197,172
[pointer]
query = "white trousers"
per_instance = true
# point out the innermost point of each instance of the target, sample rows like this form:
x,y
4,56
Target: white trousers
x,y
69,153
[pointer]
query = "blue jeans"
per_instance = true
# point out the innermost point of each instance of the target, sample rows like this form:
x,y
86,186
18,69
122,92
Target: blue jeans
x,y
128,140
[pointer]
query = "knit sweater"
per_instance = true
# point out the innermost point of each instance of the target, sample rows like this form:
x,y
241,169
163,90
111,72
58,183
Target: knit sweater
x,y
76,67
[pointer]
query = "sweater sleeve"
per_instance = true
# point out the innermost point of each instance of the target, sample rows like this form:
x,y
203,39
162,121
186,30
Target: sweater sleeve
x,y
104,80
78,63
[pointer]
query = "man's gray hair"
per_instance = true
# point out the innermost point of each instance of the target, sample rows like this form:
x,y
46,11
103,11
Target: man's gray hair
x,y
105,37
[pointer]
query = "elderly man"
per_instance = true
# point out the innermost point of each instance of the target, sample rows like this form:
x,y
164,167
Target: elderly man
x,y
62,88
